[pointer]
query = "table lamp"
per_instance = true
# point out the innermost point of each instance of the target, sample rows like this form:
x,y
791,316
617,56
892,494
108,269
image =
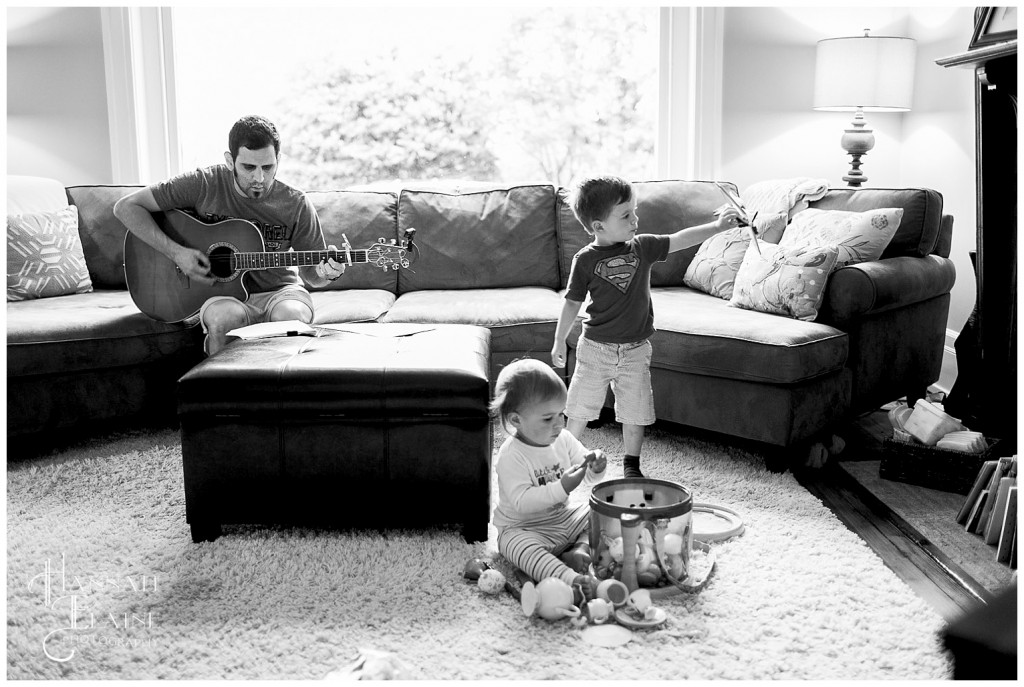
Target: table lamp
x,y
863,74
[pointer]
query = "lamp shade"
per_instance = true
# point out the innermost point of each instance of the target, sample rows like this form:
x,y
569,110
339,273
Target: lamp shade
x,y
875,73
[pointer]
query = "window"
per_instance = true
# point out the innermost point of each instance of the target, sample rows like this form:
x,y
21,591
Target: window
x,y
365,96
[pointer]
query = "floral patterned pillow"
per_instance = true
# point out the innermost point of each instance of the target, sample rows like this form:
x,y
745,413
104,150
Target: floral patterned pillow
x,y
859,236
713,269
45,256
784,281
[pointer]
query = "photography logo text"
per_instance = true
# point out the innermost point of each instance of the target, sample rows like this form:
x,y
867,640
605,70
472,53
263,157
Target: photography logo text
x,y
80,620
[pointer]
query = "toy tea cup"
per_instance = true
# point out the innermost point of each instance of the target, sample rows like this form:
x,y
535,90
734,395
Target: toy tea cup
x,y
639,601
550,598
613,591
598,611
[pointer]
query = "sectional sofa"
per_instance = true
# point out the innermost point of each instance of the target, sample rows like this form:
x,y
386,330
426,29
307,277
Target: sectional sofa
x,y
498,255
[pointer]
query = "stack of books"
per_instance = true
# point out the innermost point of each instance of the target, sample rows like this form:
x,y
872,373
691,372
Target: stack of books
x,y
990,509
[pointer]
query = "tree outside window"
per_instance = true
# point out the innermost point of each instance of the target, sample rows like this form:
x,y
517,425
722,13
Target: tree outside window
x,y
512,95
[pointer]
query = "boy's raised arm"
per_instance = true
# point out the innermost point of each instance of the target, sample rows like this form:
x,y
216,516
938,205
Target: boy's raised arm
x,y
694,236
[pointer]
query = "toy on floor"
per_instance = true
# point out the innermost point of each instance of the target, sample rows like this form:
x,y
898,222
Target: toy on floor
x,y
551,599
491,581
371,664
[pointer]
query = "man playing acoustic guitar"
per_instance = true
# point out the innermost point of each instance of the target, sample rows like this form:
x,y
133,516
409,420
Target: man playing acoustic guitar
x,y
244,188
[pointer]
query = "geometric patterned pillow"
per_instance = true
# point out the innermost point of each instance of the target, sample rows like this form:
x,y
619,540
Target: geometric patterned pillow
x,y
713,268
784,281
44,255
859,236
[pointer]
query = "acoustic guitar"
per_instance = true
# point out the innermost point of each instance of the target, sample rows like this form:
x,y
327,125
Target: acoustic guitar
x,y
233,246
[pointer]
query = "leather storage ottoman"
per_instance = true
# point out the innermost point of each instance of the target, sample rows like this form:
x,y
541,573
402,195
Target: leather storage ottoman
x,y
376,425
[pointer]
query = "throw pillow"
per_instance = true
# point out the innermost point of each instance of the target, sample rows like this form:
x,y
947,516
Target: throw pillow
x,y
713,269
44,255
784,281
859,236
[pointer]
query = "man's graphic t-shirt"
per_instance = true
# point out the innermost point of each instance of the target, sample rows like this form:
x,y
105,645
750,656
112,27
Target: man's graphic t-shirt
x,y
284,215
618,279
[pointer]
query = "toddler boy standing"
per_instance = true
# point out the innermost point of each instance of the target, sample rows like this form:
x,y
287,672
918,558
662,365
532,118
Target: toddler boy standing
x,y
614,348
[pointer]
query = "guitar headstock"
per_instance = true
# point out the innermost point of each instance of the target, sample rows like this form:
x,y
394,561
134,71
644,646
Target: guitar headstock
x,y
391,254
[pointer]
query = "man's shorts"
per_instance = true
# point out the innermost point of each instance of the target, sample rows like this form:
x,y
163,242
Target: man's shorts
x,y
626,368
259,305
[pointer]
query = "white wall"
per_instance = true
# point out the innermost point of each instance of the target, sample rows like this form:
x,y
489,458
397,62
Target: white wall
x,y
56,95
769,130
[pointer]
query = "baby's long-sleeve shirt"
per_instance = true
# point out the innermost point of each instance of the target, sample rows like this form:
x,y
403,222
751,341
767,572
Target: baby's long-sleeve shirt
x,y
529,479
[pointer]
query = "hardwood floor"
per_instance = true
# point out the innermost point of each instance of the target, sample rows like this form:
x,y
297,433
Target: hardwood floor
x,y
922,563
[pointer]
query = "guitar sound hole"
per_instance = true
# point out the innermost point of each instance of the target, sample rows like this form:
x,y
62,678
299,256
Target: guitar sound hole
x,y
221,264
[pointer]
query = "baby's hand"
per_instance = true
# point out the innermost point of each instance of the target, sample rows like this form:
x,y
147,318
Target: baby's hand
x,y
572,477
597,461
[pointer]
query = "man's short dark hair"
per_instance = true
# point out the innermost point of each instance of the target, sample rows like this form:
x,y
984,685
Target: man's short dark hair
x,y
255,133
592,199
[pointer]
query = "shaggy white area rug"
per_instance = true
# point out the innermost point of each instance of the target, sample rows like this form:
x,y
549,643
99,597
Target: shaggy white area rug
x,y
797,596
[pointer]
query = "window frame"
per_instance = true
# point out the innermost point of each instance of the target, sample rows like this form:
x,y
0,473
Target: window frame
x,y
142,107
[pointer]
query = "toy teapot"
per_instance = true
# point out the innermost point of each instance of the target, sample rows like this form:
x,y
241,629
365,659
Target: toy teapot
x,y
550,598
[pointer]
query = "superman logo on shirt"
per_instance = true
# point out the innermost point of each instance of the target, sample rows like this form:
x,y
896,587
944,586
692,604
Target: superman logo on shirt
x,y
618,270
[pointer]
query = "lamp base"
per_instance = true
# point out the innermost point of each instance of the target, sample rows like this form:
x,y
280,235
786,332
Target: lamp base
x,y
855,177
857,141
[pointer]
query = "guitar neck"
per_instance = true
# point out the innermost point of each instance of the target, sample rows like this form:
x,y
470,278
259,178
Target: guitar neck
x,y
299,258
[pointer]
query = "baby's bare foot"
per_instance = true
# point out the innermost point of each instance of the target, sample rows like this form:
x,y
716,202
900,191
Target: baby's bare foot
x,y
586,584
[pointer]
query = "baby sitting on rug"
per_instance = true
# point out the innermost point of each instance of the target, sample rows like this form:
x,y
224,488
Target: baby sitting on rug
x,y
538,466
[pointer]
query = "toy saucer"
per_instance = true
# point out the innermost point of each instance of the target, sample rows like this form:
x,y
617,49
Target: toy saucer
x,y
626,619
608,635
712,523
528,599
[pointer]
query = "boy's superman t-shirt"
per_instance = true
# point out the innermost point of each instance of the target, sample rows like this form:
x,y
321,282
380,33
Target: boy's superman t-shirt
x,y
618,280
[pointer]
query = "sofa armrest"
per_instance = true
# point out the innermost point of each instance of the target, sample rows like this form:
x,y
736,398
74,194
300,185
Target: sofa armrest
x,y
886,284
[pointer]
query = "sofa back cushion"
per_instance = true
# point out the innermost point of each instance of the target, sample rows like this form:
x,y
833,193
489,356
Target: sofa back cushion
x,y
495,238
919,230
663,207
363,217
102,233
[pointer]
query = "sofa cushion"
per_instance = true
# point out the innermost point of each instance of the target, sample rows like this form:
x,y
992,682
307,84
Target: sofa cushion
x,y
701,334
97,330
859,236
102,233
364,217
354,305
499,238
44,255
922,214
34,194
784,281
572,237
718,259
665,207
522,318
